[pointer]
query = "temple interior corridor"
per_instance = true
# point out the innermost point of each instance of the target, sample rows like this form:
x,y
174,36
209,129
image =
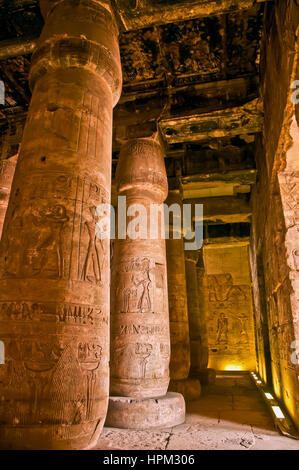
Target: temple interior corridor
x,y
230,415
149,224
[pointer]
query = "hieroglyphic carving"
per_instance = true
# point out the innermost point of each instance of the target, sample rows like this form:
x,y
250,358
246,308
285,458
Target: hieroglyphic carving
x,y
142,329
89,357
37,234
143,351
55,373
230,321
41,254
80,131
91,271
136,288
222,328
74,314
64,169
221,288
142,286
139,303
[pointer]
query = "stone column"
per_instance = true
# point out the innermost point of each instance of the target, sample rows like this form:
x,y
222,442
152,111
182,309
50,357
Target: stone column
x,y
199,353
7,171
140,337
54,278
178,307
207,375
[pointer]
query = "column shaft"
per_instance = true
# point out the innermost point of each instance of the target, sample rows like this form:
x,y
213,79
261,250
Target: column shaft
x,y
54,282
140,340
198,359
202,319
7,171
177,295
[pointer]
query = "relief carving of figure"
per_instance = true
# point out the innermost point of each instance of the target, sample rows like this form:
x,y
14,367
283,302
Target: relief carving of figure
x,y
222,329
39,360
142,279
89,357
51,246
36,239
91,271
221,288
136,293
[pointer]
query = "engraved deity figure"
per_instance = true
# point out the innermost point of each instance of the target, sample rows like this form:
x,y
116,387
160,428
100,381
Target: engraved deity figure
x,y
143,280
92,267
222,328
56,218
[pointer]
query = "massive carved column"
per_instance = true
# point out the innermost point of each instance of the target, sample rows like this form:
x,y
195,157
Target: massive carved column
x,y
7,171
54,283
178,307
199,351
140,338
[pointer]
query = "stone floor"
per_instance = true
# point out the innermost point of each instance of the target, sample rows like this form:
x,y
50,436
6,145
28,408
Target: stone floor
x,y
230,415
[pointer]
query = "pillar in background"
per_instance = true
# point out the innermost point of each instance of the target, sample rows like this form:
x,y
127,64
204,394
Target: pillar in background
x,y
199,351
7,171
201,321
206,375
140,337
178,307
54,278
177,296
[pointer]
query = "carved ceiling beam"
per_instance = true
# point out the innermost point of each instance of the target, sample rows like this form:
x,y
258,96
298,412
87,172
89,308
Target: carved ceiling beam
x,y
229,183
17,47
224,210
226,242
241,120
136,14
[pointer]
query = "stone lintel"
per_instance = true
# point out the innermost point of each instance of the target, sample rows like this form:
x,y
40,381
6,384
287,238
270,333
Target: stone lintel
x,y
240,120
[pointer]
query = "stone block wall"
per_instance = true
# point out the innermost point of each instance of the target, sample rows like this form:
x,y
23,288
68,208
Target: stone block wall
x,y
229,305
275,230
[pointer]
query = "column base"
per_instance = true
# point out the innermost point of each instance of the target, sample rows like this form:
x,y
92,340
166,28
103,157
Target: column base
x,y
190,388
50,437
206,376
146,413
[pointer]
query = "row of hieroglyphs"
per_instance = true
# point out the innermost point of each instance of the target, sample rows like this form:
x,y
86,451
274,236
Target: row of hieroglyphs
x,y
143,329
146,365
75,314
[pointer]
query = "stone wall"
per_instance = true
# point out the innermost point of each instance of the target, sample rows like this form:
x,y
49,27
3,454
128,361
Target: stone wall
x,y
229,306
275,231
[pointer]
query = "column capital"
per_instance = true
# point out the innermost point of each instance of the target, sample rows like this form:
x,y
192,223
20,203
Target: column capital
x,y
79,35
141,168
